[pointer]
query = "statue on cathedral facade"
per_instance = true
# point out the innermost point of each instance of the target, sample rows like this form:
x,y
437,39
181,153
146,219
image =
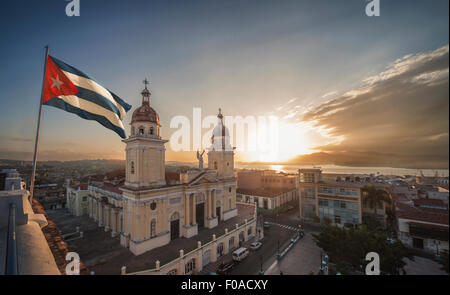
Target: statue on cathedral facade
x,y
200,159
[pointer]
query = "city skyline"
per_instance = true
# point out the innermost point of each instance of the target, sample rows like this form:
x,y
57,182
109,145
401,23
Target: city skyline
x,y
298,61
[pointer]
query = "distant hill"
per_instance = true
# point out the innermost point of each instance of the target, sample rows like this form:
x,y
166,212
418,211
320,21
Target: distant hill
x,y
370,159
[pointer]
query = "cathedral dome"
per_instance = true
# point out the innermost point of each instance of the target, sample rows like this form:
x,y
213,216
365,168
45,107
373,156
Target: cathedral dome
x,y
220,138
145,113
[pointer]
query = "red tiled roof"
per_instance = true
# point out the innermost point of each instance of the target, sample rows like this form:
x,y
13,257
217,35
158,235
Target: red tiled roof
x,y
429,226
429,202
81,186
55,241
113,188
405,211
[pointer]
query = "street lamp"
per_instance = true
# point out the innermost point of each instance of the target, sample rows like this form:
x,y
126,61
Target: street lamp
x,y
278,251
261,271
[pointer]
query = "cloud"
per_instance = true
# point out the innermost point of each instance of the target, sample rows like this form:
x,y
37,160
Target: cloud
x,y
403,110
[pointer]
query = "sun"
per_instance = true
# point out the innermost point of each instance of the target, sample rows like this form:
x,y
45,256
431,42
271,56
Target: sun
x,y
286,141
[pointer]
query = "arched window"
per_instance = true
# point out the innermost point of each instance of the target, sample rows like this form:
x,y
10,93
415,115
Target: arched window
x,y
151,130
153,228
189,267
141,130
215,165
132,167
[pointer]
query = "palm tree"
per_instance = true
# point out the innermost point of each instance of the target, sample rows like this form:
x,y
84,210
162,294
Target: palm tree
x,y
375,197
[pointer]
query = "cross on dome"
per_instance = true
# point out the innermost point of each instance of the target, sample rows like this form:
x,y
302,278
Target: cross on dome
x,y
146,93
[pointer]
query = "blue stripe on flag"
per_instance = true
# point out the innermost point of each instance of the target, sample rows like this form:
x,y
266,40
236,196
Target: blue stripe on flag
x,y
59,103
96,98
75,71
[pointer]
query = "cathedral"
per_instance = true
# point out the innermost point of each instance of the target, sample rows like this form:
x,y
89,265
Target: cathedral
x,y
152,207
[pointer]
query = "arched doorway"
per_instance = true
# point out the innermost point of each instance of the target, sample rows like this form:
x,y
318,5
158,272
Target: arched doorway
x,y
231,243
200,209
241,237
174,226
220,250
206,257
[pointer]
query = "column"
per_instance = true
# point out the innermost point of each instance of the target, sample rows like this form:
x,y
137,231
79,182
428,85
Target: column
x,y
95,210
187,206
107,217
208,193
194,209
113,222
119,222
214,204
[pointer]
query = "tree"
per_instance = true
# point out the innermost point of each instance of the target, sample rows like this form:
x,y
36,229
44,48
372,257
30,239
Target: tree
x,y
375,197
350,246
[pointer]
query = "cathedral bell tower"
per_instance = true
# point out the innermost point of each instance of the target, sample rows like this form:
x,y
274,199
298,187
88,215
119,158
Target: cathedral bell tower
x,y
221,153
145,150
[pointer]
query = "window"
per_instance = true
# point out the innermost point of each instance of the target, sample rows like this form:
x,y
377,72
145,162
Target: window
x,y
132,167
172,272
84,199
153,205
229,189
141,130
337,219
343,205
153,228
190,266
215,165
151,130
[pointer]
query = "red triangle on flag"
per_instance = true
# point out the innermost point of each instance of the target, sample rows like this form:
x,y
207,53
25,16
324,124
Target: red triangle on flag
x,y
56,83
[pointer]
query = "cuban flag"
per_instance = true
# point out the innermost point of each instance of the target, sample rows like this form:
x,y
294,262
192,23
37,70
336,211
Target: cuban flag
x,y
68,88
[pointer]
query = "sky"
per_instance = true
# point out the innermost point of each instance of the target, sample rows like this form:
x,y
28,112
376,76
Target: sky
x,y
338,80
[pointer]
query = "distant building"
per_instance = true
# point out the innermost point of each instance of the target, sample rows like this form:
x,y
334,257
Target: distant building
x,y
50,196
423,225
336,198
77,199
268,189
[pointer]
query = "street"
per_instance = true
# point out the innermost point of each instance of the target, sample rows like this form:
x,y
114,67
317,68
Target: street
x,y
282,228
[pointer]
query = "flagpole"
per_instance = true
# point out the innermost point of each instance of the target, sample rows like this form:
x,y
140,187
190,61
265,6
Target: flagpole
x,y
33,173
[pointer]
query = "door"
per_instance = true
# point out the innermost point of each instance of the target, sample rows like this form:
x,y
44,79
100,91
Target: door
x,y
218,213
200,212
206,257
174,229
417,243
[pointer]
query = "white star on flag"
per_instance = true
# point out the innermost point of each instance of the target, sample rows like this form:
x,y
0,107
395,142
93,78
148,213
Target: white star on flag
x,y
57,82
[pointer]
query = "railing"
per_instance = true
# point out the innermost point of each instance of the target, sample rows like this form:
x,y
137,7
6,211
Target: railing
x,y
171,262
11,246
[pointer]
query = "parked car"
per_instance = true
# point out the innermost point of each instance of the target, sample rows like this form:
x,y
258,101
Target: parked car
x,y
255,246
225,267
240,254
266,224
